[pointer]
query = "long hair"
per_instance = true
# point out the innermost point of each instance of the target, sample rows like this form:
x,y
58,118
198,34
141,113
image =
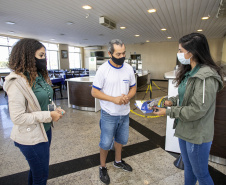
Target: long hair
x,y
22,59
197,45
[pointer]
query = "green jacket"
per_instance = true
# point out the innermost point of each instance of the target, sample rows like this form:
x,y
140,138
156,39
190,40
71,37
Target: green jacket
x,y
196,114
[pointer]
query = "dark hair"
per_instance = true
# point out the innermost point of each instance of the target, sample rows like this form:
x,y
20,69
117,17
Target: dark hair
x,y
197,45
22,59
111,48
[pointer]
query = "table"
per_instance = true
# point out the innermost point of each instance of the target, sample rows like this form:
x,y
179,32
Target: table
x,y
79,94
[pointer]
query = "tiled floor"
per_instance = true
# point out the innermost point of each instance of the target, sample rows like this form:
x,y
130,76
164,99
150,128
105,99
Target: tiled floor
x,y
75,151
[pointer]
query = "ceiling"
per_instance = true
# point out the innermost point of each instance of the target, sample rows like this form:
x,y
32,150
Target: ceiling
x,y
47,19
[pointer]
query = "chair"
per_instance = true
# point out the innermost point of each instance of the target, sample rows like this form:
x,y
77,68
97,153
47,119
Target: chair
x,y
3,80
57,88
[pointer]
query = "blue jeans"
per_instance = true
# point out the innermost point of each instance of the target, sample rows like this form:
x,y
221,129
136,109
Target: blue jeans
x,y
195,158
116,127
38,160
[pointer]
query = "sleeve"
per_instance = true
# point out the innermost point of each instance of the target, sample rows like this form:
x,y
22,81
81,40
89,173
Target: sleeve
x,y
18,106
196,108
98,81
174,100
132,79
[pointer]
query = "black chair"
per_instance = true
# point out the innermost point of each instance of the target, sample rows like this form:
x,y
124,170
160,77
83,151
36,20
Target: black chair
x,y
57,88
3,79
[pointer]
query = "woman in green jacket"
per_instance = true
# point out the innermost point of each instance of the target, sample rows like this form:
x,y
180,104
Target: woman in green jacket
x,y
198,80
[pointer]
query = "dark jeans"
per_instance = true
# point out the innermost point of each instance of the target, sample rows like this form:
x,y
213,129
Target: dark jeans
x,y
195,158
38,160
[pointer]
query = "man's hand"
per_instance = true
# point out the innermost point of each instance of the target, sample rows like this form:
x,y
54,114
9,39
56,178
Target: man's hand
x,y
118,100
125,99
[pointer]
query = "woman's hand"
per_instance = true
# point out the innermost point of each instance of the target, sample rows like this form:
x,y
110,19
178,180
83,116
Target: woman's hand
x,y
60,111
168,103
55,115
160,111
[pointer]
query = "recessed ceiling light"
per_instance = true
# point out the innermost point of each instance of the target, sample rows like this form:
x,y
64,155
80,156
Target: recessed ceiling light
x,y
151,10
122,27
86,7
52,39
136,35
169,37
69,23
205,18
147,40
11,31
199,30
163,29
9,22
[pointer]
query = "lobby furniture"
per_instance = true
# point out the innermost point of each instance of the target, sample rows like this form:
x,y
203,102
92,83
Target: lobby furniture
x,y
79,94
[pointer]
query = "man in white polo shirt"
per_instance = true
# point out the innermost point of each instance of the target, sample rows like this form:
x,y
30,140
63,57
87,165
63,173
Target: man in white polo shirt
x,y
114,84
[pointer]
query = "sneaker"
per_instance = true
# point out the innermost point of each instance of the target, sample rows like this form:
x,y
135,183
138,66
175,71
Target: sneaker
x,y
123,165
104,177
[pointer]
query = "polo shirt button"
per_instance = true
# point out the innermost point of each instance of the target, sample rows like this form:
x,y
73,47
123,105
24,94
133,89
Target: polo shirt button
x,y
28,129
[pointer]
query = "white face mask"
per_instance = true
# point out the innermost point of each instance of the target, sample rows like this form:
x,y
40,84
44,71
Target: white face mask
x,y
182,59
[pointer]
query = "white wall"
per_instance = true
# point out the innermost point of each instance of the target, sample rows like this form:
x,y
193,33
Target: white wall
x,y
160,57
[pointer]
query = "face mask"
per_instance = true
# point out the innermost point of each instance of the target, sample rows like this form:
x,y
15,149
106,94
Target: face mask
x,y
183,60
118,61
40,64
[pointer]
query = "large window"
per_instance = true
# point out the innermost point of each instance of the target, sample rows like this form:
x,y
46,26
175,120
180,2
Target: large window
x,y
74,57
6,44
52,55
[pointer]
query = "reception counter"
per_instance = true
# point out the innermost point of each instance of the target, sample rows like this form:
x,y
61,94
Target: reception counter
x,y
218,148
79,94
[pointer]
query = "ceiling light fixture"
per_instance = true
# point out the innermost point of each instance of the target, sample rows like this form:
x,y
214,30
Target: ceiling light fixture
x,y
205,18
163,29
151,10
10,22
52,39
136,35
169,37
122,27
86,7
199,30
11,32
69,23
147,40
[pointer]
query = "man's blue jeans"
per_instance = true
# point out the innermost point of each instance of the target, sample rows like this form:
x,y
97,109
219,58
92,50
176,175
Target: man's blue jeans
x,y
38,160
195,158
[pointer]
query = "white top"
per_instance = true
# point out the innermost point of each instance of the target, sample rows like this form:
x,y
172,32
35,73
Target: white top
x,y
170,75
114,82
81,79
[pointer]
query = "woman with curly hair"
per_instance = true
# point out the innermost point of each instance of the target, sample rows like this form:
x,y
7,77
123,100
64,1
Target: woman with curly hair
x,y
30,98
198,80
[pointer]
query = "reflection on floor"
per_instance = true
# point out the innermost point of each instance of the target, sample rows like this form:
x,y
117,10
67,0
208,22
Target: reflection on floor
x,y
75,151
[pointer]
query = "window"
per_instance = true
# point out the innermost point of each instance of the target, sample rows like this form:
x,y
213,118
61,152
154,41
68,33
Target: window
x,y
6,44
52,55
74,57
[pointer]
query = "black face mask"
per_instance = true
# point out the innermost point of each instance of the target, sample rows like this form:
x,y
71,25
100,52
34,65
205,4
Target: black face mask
x,y
118,61
41,64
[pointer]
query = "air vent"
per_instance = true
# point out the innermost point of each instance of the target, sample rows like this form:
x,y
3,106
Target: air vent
x,y
221,9
107,22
